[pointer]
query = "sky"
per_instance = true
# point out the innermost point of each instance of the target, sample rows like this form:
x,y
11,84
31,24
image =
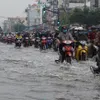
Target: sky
x,y
13,8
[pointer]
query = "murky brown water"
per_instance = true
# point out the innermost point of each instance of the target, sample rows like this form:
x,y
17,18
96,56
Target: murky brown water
x,y
28,74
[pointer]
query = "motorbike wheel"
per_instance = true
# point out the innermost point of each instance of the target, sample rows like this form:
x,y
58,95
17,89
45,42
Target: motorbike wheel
x,y
94,70
43,47
83,57
30,43
68,59
18,45
8,42
36,45
26,45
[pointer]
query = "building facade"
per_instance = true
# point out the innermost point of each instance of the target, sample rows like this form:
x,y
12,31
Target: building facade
x,y
34,14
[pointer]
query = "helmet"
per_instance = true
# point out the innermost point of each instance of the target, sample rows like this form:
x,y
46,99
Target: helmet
x,y
68,42
83,42
49,37
18,33
64,31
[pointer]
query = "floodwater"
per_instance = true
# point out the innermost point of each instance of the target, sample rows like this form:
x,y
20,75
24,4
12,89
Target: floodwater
x,y
28,74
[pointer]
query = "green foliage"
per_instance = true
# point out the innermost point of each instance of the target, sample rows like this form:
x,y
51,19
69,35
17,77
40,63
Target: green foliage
x,y
64,18
19,27
85,16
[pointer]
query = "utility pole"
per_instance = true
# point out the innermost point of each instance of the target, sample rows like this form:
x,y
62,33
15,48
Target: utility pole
x,y
65,5
58,21
85,1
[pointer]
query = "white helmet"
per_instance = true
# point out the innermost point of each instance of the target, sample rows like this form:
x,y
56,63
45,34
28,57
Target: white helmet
x,y
83,42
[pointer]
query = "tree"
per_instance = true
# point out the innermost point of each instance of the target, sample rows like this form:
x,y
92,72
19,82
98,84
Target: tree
x,y
77,16
64,18
85,16
19,27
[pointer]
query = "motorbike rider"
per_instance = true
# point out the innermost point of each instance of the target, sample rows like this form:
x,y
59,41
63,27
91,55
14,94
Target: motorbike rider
x,y
97,39
18,36
63,47
18,39
37,42
68,48
9,34
92,35
63,36
97,70
61,52
43,34
26,34
49,42
37,34
97,42
43,42
9,38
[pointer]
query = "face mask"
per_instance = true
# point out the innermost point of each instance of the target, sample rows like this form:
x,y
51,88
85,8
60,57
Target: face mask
x,y
64,31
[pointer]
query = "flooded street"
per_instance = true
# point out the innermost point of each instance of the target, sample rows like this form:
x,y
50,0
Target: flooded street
x,y
28,74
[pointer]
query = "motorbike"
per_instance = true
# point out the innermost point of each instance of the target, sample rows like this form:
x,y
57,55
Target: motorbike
x,y
32,41
49,42
43,45
36,42
81,52
93,50
26,42
9,40
5,39
68,51
94,70
18,43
